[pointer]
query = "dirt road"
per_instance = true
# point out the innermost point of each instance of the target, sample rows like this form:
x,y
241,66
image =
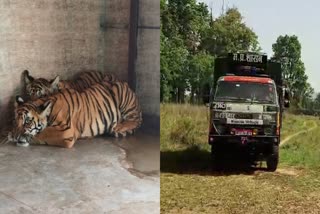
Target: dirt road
x,y
298,133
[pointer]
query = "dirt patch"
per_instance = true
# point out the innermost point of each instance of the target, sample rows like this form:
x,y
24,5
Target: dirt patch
x,y
288,171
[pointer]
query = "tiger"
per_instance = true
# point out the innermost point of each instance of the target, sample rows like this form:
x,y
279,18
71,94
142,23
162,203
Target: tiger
x,y
36,88
62,118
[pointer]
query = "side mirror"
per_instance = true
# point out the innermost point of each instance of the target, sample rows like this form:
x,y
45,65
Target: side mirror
x,y
286,98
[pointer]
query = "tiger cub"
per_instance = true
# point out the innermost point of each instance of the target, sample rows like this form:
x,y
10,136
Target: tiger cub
x,y
36,88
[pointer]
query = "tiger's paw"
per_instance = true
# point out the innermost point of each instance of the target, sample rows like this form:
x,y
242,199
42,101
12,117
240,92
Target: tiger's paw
x,y
120,134
22,143
123,134
35,141
131,132
125,127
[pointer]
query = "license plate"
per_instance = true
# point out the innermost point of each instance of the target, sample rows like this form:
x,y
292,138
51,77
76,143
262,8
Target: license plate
x,y
243,132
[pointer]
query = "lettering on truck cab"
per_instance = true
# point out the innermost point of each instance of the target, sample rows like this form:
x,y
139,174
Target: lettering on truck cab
x,y
219,105
247,58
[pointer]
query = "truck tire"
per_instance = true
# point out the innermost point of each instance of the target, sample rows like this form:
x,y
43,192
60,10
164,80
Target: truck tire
x,y
216,159
273,159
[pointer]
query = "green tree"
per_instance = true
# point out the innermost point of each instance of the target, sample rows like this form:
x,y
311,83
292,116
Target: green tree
x,y
186,18
173,67
182,24
190,40
200,70
229,33
306,94
287,51
317,102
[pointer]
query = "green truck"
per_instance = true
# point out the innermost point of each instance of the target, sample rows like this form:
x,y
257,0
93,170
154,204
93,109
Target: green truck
x,y
246,104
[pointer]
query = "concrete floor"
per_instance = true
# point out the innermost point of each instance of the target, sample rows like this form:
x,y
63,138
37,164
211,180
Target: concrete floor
x,y
100,175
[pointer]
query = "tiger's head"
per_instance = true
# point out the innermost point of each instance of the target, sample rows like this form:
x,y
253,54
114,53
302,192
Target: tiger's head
x,y
37,88
29,119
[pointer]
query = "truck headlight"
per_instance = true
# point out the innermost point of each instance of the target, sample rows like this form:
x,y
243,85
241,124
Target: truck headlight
x,y
269,117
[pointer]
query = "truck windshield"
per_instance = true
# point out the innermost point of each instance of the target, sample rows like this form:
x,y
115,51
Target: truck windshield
x,y
246,92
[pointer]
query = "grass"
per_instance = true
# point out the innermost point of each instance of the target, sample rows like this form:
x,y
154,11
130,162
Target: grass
x,y
189,186
293,123
303,150
183,126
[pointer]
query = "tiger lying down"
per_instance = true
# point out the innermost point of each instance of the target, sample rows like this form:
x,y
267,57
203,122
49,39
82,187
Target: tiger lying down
x,y
59,119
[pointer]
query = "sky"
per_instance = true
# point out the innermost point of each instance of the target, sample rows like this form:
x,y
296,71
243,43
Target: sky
x,y
272,18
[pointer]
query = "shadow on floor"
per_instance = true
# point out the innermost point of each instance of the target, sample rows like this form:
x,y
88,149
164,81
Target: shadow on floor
x,y
142,151
194,160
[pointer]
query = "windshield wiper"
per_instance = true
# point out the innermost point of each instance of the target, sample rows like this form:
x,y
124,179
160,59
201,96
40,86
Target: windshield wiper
x,y
233,98
265,101
243,99
229,98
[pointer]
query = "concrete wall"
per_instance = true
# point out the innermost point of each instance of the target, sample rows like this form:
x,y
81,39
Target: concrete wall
x,y
50,37
148,60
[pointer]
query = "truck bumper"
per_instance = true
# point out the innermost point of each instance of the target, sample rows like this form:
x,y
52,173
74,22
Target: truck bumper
x,y
255,147
243,140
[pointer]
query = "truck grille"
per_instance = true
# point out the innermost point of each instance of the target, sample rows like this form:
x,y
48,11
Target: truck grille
x,y
243,116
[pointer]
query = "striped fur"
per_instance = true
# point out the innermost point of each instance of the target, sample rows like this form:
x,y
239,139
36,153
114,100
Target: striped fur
x,y
37,88
62,118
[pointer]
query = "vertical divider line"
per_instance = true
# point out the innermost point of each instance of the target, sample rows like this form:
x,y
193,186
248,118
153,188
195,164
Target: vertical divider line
x,y
132,49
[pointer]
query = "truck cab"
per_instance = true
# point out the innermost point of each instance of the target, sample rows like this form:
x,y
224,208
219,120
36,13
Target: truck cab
x,y
246,109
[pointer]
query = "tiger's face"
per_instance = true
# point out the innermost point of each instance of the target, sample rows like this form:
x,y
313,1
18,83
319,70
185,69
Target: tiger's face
x,y
37,88
29,119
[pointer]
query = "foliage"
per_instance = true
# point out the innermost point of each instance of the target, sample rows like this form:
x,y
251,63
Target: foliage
x,y
316,102
200,73
185,18
190,40
173,72
287,51
182,23
229,33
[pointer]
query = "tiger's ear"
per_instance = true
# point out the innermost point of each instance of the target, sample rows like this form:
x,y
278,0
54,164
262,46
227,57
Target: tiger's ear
x,y
46,109
19,101
55,82
27,78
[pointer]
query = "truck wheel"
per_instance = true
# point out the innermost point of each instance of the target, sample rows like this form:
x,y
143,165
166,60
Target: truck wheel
x,y
273,159
216,159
